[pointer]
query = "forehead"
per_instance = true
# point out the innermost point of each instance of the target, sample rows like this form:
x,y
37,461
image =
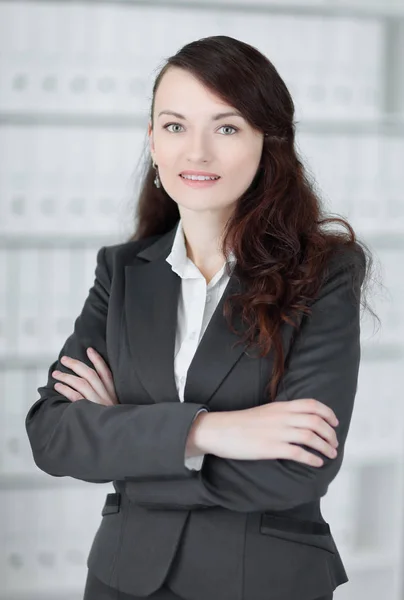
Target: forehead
x,y
181,91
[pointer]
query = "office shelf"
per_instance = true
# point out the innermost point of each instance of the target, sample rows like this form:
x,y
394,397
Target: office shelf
x,y
39,481
388,125
363,10
20,240
49,595
375,454
387,240
371,352
70,119
363,561
70,148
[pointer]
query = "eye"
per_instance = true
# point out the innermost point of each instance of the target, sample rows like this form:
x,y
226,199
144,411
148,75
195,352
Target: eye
x,y
235,129
229,127
169,125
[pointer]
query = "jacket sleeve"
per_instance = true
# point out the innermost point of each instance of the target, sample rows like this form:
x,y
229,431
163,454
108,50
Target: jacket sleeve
x,y
323,363
97,443
196,462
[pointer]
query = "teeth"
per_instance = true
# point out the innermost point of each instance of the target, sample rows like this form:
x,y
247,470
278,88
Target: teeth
x,y
198,177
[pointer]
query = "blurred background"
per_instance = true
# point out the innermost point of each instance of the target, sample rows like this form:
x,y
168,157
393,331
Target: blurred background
x,y
75,92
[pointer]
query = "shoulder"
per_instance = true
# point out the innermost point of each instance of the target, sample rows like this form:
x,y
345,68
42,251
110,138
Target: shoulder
x,y
345,261
343,277
116,256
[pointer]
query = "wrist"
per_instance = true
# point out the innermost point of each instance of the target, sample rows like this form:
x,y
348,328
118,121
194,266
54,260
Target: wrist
x,y
191,448
208,430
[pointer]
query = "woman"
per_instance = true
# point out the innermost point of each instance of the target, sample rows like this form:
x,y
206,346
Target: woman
x,y
218,393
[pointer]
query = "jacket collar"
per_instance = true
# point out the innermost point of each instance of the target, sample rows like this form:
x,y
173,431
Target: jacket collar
x,y
151,299
178,258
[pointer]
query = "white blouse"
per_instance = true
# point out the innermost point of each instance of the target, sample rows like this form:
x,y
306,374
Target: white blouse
x,y
197,303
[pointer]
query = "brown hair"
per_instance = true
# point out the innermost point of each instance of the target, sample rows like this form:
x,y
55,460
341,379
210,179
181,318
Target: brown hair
x,y
277,230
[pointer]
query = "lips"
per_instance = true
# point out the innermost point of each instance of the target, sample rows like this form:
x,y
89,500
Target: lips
x,y
204,173
189,177
199,183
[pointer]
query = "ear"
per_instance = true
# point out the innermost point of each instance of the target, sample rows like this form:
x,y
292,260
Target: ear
x,y
151,141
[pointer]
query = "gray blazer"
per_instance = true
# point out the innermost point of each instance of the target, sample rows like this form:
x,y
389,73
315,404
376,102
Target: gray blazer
x,y
237,529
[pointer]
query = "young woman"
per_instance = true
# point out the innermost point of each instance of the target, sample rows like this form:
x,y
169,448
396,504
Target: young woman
x,y
212,372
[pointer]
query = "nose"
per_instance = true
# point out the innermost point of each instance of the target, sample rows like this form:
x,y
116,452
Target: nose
x,y
198,149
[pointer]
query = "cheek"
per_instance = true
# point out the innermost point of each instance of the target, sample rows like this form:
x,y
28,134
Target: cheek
x,y
244,171
166,151
245,157
166,159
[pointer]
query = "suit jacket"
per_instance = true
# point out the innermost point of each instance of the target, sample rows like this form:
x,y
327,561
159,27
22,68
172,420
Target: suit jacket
x,y
237,529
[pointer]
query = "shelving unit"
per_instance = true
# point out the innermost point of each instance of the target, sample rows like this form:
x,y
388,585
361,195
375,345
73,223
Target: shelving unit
x,y
330,8
75,85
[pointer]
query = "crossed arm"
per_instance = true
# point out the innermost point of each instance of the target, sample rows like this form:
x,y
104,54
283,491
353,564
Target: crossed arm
x,y
145,445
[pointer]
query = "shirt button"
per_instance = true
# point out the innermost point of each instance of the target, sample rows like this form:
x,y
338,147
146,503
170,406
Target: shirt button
x,y
182,380
208,298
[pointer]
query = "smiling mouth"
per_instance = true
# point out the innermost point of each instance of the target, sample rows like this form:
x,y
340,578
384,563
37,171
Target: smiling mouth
x,y
195,183
199,177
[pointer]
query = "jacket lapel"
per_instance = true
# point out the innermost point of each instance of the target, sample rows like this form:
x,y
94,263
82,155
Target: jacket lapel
x,y
151,300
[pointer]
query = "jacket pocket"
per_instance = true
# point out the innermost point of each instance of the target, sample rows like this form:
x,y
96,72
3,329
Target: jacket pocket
x,y
112,504
104,550
311,533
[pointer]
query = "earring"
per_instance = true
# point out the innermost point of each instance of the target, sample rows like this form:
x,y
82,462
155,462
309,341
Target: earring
x,y
157,181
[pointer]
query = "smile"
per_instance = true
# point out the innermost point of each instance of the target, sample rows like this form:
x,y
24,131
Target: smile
x,y
199,181
198,177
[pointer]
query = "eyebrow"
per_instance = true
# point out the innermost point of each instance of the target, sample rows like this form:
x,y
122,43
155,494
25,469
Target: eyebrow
x,y
214,117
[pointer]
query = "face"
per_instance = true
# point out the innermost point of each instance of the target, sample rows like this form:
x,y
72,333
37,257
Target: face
x,y
197,140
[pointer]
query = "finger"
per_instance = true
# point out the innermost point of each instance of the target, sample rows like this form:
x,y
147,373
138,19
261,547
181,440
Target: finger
x,y
308,438
292,452
80,386
103,371
89,375
314,423
68,392
77,383
311,405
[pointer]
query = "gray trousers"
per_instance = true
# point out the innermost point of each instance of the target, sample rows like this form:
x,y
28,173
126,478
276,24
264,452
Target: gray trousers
x,y
97,590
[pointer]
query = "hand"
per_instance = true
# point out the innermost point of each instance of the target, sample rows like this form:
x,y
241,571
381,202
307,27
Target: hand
x,y
270,431
95,385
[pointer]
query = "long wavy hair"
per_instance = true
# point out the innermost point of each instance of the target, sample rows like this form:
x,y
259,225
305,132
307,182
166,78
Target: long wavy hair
x,y
278,231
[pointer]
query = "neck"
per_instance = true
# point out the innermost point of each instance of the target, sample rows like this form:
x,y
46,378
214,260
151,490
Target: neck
x,y
203,242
